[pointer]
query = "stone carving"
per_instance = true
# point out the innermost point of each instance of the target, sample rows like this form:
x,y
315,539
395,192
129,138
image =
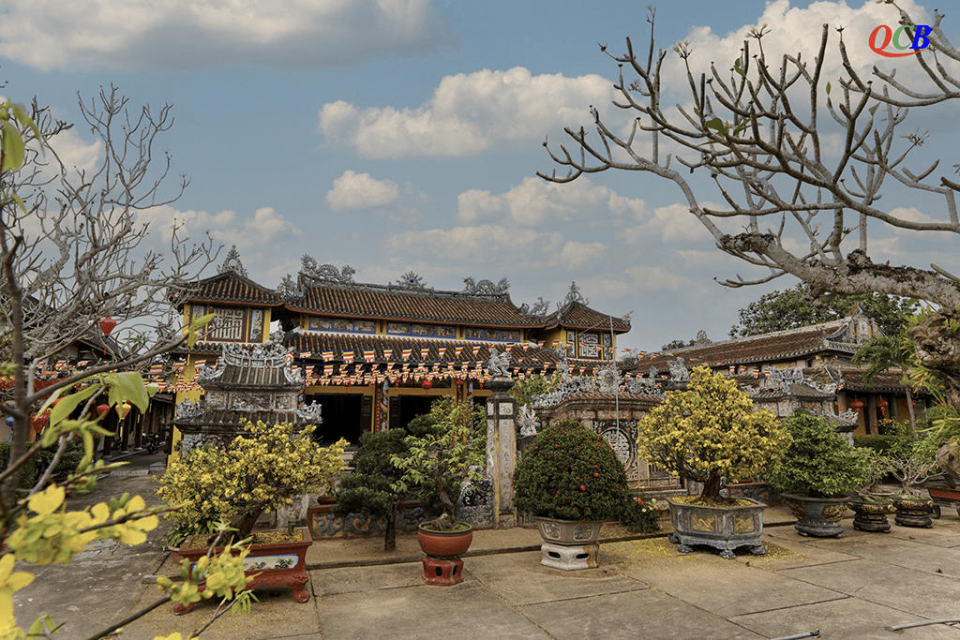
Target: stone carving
x,y
485,287
289,289
702,338
325,272
528,421
539,309
412,281
608,379
499,363
783,379
311,412
187,409
574,295
475,504
232,263
678,371
612,385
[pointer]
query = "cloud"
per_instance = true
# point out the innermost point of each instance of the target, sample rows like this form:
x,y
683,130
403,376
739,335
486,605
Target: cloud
x,y
467,114
89,34
480,244
535,201
266,229
670,224
575,254
355,190
793,30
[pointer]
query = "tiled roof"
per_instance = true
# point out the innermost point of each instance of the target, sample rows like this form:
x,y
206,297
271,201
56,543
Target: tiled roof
x,y
766,348
230,286
260,378
531,357
398,304
577,315
238,419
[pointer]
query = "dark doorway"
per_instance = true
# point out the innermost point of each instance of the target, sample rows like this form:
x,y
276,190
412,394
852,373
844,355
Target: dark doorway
x,y
413,406
342,418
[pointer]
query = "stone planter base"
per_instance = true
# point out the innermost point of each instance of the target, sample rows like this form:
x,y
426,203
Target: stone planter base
x,y
569,557
722,528
817,517
944,496
914,513
442,571
871,516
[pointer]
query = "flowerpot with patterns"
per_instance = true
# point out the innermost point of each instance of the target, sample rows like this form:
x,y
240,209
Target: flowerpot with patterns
x,y
442,564
816,516
569,544
870,514
913,511
275,564
726,528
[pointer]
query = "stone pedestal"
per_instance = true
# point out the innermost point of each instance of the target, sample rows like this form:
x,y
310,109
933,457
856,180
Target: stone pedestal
x,y
442,571
501,448
569,558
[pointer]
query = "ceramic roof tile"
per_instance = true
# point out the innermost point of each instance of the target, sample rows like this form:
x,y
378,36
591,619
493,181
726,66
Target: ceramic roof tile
x,y
232,287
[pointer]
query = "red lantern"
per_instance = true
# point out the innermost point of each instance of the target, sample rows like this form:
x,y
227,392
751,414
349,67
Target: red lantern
x,y
39,421
882,404
102,410
427,384
107,325
856,405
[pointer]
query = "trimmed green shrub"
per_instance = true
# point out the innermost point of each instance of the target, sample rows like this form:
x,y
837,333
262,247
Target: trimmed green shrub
x,y
570,473
819,461
639,515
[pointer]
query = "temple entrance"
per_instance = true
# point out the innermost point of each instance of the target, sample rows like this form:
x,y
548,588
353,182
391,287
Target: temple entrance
x,y
342,418
403,409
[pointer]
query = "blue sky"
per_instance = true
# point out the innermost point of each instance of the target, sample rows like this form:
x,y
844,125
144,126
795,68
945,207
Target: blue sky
x,y
405,134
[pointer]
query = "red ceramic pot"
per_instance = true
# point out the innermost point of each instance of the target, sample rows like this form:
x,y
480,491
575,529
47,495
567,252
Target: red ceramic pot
x,y
444,544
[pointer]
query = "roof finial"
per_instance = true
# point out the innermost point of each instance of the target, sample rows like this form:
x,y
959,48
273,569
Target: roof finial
x,y
232,263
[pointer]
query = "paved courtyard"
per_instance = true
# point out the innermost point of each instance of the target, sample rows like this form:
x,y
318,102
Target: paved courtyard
x,y
847,588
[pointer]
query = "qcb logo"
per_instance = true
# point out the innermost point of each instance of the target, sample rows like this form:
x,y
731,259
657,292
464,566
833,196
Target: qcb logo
x,y
883,36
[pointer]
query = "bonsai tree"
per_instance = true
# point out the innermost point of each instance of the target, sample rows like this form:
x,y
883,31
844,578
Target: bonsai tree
x,y
440,458
570,473
819,461
260,470
710,431
372,487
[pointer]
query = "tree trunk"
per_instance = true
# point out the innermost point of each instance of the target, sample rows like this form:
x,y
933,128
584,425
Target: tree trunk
x,y
390,535
937,344
711,488
913,418
247,521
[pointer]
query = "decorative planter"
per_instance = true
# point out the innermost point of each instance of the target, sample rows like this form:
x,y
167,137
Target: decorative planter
x,y
871,516
914,512
323,524
817,517
569,544
280,564
442,564
723,528
944,495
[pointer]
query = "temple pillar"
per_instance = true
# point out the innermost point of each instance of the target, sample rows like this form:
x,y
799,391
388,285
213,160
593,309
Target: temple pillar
x,y
501,449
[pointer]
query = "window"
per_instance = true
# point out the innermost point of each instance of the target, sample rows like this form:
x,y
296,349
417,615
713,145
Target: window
x,y
227,325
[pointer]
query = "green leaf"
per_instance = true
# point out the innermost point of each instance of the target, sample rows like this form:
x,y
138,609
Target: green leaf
x,y
128,387
828,88
719,125
11,146
739,68
25,120
69,403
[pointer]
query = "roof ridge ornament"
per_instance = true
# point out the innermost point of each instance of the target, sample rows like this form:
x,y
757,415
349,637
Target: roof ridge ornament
x,y
540,308
573,295
325,272
411,281
232,263
485,287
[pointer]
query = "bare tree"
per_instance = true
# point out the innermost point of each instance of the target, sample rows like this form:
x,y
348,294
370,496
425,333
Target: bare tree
x,y
755,139
72,253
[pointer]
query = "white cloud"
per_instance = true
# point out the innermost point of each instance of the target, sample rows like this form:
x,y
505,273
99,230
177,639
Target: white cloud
x,y
87,34
265,230
648,278
673,223
355,190
467,114
793,30
575,254
480,244
535,201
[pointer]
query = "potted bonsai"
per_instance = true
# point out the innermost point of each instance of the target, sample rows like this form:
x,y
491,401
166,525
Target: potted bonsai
x,y
818,474
570,480
435,464
261,470
703,434
913,504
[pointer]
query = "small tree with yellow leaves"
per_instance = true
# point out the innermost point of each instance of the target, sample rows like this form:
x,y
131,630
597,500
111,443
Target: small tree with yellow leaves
x,y
711,431
261,470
